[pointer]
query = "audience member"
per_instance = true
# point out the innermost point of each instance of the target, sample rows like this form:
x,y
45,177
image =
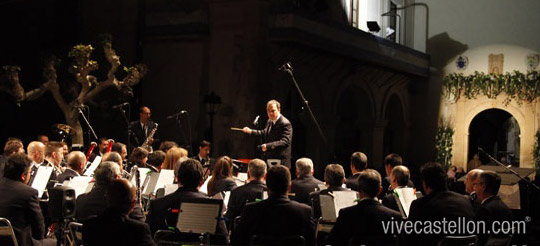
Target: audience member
x,y
222,179
359,162
249,192
471,178
94,203
113,226
276,216
19,202
399,178
305,182
438,203
492,208
364,219
75,164
334,176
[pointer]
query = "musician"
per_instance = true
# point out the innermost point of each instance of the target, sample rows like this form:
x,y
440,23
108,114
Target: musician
x,y
11,147
142,128
277,135
54,154
36,152
204,154
75,164
101,149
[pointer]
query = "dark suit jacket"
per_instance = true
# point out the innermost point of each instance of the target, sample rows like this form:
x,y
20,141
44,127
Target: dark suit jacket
x,y
93,203
389,201
159,217
112,228
68,174
387,188
493,209
226,184
278,140
362,219
138,137
242,195
435,207
473,199
3,161
352,182
315,201
301,187
276,216
19,203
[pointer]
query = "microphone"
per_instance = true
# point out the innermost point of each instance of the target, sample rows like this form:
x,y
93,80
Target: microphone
x,y
285,67
119,106
177,114
256,120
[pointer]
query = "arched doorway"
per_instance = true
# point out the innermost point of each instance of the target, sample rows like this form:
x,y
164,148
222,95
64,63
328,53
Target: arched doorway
x,y
354,125
394,131
497,132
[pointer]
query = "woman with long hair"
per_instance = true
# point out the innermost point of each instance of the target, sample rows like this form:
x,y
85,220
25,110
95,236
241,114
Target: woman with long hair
x,y
222,179
172,156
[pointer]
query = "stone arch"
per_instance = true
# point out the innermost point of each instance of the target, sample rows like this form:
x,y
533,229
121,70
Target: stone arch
x,y
524,114
394,132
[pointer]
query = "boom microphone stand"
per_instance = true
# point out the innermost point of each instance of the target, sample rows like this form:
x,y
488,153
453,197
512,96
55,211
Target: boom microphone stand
x,y
90,129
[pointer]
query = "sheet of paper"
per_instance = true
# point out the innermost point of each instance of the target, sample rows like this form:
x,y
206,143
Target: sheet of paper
x,y
79,184
166,177
90,170
343,199
204,187
198,217
406,197
328,208
170,188
42,178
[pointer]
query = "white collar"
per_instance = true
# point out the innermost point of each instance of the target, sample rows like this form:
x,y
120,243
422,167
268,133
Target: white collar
x,y
274,121
487,198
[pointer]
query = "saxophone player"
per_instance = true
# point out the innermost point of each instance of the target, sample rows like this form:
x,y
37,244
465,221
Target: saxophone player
x,y
140,130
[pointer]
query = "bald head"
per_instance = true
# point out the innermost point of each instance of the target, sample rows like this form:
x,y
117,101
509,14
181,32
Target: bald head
x,y
400,176
36,151
471,177
121,196
76,161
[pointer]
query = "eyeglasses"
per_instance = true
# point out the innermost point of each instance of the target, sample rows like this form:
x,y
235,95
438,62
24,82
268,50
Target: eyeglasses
x,y
474,184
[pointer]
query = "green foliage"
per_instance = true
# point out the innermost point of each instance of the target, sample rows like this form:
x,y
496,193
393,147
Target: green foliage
x,y
536,151
516,85
443,145
81,58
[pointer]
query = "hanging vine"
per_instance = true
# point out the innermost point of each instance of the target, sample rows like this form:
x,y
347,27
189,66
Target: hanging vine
x,y
536,151
443,145
516,85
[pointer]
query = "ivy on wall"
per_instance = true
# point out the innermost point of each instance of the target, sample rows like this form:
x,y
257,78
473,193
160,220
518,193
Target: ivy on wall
x,y
516,85
536,151
443,145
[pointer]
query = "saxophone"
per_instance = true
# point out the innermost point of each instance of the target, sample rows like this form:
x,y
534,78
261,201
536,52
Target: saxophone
x,y
146,143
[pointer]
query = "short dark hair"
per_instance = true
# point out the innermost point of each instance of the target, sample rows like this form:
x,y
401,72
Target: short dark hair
x,y
156,158
401,174
359,161
16,165
112,156
120,193
278,179
334,175
53,146
167,145
12,146
204,143
393,160
190,173
138,155
434,176
117,147
492,181
369,182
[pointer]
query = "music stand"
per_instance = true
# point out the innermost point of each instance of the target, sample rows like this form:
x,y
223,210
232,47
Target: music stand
x,y
199,215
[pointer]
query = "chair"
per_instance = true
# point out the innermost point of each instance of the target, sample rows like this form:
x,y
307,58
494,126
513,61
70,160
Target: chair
x,y
365,240
7,236
75,233
458,241
270,240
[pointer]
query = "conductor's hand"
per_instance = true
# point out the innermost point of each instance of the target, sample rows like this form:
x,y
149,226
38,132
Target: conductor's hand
x,y
263,147
246,130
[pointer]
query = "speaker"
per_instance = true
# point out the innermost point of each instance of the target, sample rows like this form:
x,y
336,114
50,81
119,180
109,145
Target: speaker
x,y
61,203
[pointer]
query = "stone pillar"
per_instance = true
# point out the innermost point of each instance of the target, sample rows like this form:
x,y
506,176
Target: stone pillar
x,y
378,142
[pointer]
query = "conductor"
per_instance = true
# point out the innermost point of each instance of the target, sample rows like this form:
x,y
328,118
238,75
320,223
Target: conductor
x,y
277,135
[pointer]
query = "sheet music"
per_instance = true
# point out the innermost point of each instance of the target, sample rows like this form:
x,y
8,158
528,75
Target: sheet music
x,y
265,195
406,196
198,217
241,179
343,199
42,178
166,176
204,187
170,188
328,208
79,184
90,170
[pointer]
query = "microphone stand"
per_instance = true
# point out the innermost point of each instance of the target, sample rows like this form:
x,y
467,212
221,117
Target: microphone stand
x,y
288,68
126,120
90,129
179,122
